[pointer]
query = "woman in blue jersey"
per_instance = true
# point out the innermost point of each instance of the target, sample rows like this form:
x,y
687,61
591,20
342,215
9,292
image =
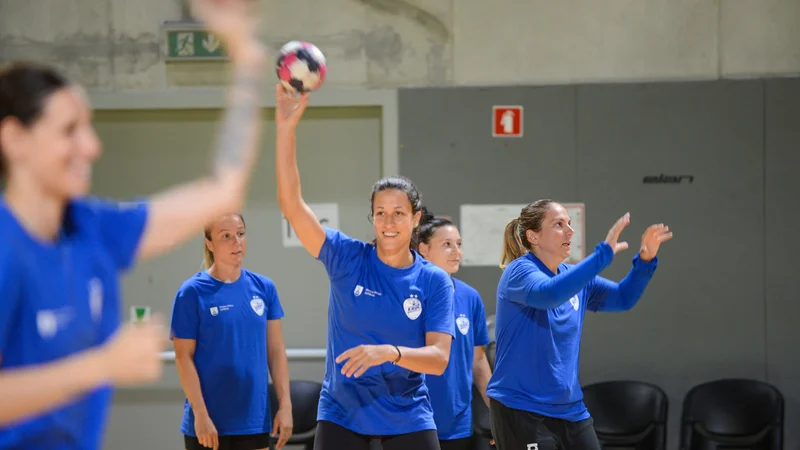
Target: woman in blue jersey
x,y
536,399
390,312
451,392
226,327
61,348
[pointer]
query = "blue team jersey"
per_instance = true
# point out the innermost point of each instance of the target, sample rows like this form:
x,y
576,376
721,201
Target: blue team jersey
x,y
61,298
373,303
229,322
451,392
539,322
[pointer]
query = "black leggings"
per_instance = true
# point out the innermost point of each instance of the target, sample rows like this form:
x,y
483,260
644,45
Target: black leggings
x,y
514,429
333,437
456,444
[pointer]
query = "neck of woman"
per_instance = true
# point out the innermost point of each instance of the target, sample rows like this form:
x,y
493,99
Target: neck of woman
x,y
225,273
39,213
398,260
550,261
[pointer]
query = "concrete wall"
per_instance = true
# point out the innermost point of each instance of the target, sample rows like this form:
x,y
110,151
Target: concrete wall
x,y
117,44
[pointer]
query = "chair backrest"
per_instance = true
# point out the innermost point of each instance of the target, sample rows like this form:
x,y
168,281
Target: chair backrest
x,y
628,414
305,399
733,413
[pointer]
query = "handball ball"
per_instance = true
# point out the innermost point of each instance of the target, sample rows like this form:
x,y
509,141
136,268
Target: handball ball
x,y
301,66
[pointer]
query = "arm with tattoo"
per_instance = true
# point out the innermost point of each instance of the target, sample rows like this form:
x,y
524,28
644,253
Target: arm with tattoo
x,y
179,213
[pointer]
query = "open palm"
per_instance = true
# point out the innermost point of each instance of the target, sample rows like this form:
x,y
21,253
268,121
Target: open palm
x,y
652,239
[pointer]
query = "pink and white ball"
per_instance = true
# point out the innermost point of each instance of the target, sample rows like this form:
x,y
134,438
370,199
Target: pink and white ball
x,y
301,66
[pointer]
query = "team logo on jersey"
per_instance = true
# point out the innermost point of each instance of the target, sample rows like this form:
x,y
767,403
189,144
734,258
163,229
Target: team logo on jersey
x,y
96,298
46,323
575,302
214,310
413,307
463,324
258,305
359,289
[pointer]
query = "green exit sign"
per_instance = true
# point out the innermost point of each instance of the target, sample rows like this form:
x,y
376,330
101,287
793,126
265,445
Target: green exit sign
x,y
190,42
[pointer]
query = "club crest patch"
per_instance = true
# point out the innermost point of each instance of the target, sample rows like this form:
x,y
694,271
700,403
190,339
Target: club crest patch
x,y
463,324
258,305
412,307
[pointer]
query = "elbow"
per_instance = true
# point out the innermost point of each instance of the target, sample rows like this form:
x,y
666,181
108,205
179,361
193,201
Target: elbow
x,y
441,363
227,195
183,360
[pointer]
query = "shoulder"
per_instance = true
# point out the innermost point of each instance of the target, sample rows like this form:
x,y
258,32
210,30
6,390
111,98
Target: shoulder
x,y
92,206
465,289
194,284
521,266
91,212
435,274
260,280
336,239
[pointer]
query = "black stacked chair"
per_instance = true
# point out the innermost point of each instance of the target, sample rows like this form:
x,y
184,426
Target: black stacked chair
x,y
628,415
733,414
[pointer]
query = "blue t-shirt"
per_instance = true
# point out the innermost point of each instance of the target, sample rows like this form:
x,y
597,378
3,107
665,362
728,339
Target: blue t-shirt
x,y
229,322
539,321
451,392
372,303
61,298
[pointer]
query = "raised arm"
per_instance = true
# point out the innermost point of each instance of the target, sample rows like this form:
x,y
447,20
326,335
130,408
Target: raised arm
x,y
179,213
606,295
288,110
538,290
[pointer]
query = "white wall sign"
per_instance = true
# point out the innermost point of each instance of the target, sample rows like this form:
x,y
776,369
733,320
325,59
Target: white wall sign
x,y
327,213
482,228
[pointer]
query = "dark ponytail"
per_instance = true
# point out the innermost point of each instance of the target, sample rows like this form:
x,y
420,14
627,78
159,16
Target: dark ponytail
x,y
428,226
422,232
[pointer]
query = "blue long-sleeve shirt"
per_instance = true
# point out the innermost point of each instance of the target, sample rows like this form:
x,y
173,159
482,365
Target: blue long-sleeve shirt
x,y
539,322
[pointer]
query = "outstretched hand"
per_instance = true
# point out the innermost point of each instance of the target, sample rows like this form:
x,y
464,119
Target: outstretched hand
x,y
289,107
652,239
613,234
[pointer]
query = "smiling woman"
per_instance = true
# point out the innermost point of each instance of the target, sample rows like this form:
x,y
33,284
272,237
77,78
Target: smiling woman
x,y
391,312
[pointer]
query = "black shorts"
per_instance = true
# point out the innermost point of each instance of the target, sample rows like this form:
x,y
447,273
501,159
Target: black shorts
x,y
456,444
514,429
232,442
331,436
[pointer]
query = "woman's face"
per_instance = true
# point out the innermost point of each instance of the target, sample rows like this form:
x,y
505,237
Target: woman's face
x,y
444,249
58,150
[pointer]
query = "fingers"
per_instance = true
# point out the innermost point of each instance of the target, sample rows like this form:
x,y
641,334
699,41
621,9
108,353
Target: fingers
x,y
621,223
621,246
286,433
344,355
665,237
616,229
353,364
